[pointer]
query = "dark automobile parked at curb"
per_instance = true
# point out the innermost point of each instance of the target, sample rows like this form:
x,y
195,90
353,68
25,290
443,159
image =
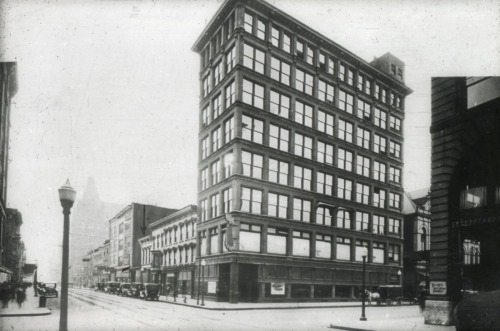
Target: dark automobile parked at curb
x,y
124,289
48,289
135,290
99,287
151,291
111,287
478,311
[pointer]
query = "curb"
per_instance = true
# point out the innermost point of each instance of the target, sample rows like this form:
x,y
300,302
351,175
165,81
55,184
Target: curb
x,y
45,311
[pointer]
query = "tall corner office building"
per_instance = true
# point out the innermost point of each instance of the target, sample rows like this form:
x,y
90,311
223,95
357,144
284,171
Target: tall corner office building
x,y
300,160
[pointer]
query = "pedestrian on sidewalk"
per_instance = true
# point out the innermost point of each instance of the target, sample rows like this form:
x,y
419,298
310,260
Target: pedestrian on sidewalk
x,y
4,295
20,296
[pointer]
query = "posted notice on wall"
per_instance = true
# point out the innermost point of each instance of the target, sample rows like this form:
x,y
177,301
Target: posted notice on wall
x,y
277,288
438,288
212,287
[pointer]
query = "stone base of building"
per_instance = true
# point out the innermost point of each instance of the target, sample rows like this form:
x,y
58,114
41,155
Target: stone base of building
x,y
438,312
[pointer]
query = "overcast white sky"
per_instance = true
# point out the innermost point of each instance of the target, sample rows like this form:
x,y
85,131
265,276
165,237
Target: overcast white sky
x,y
110,89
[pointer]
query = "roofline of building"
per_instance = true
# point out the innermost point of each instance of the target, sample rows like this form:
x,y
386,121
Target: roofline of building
x,y
121,212
278,12
182,212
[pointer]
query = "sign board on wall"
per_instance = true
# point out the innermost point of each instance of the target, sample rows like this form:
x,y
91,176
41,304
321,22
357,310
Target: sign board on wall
x,y
277,288
438,288
212,287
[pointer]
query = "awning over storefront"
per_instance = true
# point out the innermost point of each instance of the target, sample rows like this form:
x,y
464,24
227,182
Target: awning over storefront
x,y
475,221
5,270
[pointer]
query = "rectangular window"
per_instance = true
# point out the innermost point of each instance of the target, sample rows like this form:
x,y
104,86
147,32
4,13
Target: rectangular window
x,y
280,104
252,164
261,29
287,42
343,219
304,82
278,171
361,247
303,114
275,37
378,197
378,224
230,59
301,210
322,62
280,71
310,55
214,205
361,80
326,122
393,253
394,225
230,94
216,106
227,195
344,189
362,193
343,248
251,200
364,110
216,140
324,183
218,73
203,211
324,216
250,237
277,205
362,221
204,179
253,94
303,146
378,253
345,159
323,246
205,116
350,77
395,123
279,138
363,138
394,200
324,153
326,92
379,171
276,240
342,71
346,102
248,23
302,178
299,50
228,165
363,166
215,172
380,118
252,129
379,144
473,197
206,85
395,149
205,143
345,131
228,130
301,243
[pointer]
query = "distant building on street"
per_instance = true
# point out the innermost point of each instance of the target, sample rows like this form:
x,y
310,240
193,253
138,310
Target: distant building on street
x,y
417,231
8,88
300,160
168,253
125,229
89,227
100,263
465,191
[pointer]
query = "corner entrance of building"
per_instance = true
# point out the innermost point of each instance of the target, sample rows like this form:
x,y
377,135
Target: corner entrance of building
x,y
247,282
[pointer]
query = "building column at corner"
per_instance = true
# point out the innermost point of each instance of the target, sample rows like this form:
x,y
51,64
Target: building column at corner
x,y
234,275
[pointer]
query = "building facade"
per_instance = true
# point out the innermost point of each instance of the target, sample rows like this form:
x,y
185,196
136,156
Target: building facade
x,y
168,253
100,263
465,191
300,160
417,231
125,229
8,88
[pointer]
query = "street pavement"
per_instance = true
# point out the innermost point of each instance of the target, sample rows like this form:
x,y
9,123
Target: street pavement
x,y
30,307
90,310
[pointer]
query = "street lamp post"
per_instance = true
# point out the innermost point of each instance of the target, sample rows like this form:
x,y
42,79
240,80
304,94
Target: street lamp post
x,y
364,255
67,195
203,263
199,277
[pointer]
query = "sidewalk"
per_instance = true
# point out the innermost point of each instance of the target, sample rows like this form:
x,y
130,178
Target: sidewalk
x,y
29,307
213,305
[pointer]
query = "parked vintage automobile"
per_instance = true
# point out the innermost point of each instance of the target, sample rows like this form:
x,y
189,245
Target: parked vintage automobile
x,y
150,291
135,290
478,311
99,287
111,287
124,289
389,294
48,289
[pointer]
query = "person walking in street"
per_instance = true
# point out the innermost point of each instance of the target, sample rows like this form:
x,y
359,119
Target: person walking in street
x,y
4,295
20,296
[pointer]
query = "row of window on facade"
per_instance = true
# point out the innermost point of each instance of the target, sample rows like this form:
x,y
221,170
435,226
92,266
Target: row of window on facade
x,y
477,197
278,205
120,228
173,235
302,244
177,256
255,59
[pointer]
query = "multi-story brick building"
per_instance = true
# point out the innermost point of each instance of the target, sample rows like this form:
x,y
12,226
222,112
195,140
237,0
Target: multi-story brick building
x,y
300,156
465,191
168,253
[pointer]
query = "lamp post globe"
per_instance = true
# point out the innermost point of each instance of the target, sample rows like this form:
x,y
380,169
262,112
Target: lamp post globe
x,y
364,255
67,195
